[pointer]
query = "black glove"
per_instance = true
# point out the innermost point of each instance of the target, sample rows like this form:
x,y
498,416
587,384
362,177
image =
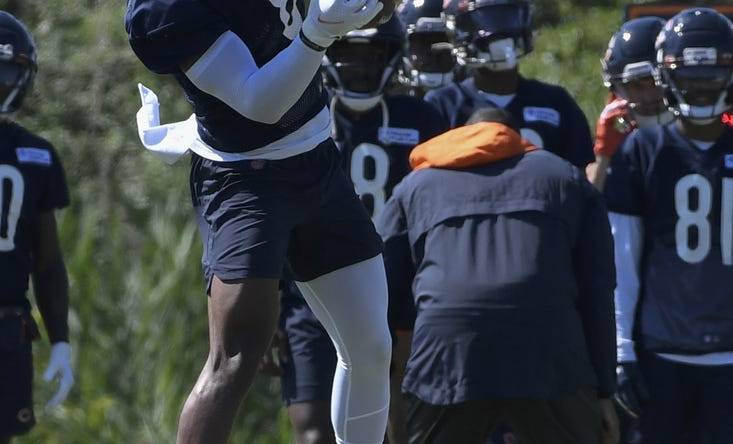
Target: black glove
x,y
631,393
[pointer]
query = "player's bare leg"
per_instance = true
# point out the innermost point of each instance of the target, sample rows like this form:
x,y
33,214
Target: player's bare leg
x,y
312,422
242,319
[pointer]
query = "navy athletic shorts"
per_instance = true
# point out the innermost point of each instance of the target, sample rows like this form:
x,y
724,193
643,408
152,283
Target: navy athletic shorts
x,y
16,377
308,372
254,215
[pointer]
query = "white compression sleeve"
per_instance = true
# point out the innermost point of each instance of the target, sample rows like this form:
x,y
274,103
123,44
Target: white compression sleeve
x,y
351,303
628,240
228,72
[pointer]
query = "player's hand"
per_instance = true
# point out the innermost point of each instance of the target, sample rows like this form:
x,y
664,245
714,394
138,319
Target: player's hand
x,y
328,20
278,354
631,393
608,134
59,366
611,429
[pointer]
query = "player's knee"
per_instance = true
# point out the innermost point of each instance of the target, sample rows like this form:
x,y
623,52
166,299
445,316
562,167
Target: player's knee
x,y
322,434
375,349
230,370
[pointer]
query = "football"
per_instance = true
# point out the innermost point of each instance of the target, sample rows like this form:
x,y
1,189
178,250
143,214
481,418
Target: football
x,y
384,15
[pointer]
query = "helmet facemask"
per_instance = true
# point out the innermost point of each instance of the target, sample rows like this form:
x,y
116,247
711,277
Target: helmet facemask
x,y
637,85
429,59
358,69
494,36
698,85
16,76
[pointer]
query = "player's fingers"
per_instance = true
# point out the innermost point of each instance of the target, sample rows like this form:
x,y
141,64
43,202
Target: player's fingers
x,y
50,372
370,10
615,105
268,364
58,398
355,6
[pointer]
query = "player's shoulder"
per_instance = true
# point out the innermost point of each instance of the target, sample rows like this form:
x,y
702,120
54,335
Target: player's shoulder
x,y
21,136
163,33
28,147
647,141
542,86
416,112
406,101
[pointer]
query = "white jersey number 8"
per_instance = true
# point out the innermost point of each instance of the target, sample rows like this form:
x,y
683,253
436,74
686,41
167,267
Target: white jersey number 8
x,y
698,218
374,186
9,220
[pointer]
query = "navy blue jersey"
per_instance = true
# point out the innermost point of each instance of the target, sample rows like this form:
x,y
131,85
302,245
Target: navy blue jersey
x,y
31,182
166,34
548,116
376,157
685,197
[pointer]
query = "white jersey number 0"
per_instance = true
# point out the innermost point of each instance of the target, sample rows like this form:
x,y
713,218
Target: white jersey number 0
x,y
9,218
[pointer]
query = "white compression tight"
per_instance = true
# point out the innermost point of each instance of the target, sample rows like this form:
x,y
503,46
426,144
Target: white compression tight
x,y
351,303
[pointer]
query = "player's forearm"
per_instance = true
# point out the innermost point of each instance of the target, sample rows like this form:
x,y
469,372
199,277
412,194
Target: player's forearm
x,y
51,287
628,233
598,173
228,72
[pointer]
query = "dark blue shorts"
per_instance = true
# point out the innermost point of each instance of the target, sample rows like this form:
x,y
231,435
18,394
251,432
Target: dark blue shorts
x,y
688,403
308,373
256,215
16,378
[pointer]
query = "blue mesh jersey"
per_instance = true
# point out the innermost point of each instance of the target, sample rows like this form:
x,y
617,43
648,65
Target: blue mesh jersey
x,y
31,182
685,197
376,158
166,34
547,114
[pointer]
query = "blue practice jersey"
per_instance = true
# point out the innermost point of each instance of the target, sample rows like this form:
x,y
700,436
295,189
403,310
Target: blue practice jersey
x,y
376,157
166,34
685,197
31,182
548,116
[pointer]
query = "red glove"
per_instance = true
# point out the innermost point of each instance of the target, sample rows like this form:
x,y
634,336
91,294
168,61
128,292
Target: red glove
x,y
608,134
727,119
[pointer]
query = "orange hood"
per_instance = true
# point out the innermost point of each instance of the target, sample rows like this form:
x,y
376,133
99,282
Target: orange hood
x,y
469,146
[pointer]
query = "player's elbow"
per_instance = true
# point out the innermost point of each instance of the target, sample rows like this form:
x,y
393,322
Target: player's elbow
x,y
258,109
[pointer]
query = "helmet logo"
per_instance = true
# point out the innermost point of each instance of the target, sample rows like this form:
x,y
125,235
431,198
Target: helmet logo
x,y
6,52
700,56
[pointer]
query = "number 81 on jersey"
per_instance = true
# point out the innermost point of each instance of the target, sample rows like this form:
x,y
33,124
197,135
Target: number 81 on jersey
x,y
697,218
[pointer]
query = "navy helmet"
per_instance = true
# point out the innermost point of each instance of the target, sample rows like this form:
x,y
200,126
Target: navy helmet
x,y
17,62
492,33
428,59
695,59
630,72
359,65
631,53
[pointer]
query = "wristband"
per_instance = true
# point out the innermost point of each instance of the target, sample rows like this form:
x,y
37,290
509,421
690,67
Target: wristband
x,y
309,43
